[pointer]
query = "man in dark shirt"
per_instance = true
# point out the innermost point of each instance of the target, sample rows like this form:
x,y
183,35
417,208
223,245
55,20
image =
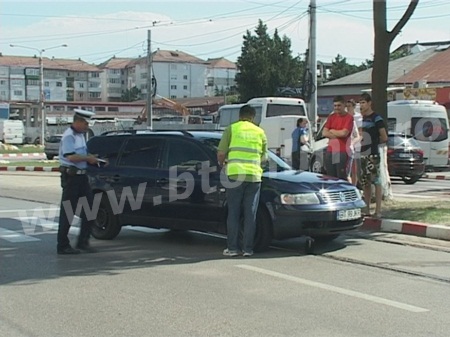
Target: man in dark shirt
x,y
374,134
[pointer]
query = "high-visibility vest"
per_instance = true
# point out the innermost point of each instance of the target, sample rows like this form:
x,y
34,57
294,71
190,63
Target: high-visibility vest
x,y
245,149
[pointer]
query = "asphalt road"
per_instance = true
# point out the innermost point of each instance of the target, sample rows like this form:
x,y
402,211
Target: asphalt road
x,y
160,283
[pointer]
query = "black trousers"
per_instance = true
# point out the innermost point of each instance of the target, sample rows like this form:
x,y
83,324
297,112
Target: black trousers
x,y
76,192
336,164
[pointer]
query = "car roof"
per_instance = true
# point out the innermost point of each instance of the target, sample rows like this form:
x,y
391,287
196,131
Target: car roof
x,y
184,133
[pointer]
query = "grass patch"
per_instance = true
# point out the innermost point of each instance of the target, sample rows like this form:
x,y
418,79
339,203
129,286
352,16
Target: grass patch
x,y
429,211
43,163
24,149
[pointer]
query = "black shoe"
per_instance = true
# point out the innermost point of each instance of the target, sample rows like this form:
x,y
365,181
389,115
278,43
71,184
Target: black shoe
x,y
68,251
86,248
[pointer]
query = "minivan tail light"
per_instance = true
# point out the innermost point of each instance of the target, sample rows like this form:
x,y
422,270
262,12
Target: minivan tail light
x,y
390,152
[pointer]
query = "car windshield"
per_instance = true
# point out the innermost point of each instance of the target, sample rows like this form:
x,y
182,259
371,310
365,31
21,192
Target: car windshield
x,y
274,163
402,141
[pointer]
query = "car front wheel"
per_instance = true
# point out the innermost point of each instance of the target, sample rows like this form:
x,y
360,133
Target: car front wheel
x,y
316,165
107,225
411,180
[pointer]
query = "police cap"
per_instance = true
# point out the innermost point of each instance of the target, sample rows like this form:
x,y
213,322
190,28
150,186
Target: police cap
x,y
86,115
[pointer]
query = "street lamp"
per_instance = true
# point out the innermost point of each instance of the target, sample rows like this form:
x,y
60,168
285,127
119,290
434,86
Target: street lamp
x,y
41,85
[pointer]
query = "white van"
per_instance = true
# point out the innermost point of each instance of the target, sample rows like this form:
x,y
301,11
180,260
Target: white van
x,y
12,131
427,122
277,116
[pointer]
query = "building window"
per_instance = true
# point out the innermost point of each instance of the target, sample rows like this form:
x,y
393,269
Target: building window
x,y
185,87
184,77
113,108
94,95
173,66
95,74
46,84
173,96
17,92
173,77
33,82
2,82
173,87
81,85
59,84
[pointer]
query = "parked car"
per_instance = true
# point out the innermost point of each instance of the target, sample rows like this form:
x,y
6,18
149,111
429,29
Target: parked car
x,y
405,158
171,180
51,148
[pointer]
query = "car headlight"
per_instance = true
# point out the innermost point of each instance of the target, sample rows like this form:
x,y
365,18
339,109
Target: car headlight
x,y
300,199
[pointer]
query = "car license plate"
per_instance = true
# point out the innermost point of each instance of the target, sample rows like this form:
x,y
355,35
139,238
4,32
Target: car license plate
x,y
349,214
405,155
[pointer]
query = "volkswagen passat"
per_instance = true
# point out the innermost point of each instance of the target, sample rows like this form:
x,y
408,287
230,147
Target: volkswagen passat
x,y
171,180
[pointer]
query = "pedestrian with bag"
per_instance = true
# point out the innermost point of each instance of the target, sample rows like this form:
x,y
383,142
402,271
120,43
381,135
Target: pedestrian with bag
x,y
76,192
241,151
374,134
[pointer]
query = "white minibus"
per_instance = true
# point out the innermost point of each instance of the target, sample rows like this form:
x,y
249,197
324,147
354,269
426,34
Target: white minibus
x,y
277,116
427,122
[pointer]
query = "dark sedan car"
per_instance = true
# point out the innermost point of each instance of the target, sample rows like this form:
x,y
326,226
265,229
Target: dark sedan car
x,y
171,180
405,158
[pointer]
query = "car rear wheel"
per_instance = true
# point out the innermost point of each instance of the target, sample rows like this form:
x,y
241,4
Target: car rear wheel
x,y
107,225
50,157
411,180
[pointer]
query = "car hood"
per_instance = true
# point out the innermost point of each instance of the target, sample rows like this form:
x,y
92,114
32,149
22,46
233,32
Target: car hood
x,y
306,180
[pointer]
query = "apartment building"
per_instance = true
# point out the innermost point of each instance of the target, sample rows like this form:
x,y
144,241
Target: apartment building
x,y
221,75
64,79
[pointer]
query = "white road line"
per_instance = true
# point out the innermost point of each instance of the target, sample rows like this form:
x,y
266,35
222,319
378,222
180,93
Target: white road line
x,y
28,210
13,236
414,196
338,290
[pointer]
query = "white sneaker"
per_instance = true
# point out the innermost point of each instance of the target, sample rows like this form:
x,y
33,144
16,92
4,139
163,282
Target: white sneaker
x,y
247,254
230,253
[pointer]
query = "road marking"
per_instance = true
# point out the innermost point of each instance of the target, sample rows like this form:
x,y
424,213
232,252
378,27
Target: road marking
x,y
22,210
338,290
13,236
414,196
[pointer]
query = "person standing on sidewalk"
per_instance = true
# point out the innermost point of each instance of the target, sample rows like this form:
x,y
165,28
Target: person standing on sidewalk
x,y
354,162
374,134
300,139
242,149
73,160
338,129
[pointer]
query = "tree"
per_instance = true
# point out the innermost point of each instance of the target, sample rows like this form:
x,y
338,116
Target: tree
x,y
265,64
383,41
340,68
131,95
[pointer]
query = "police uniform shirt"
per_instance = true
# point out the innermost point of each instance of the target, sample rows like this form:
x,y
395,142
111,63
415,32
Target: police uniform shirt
x,y
72,142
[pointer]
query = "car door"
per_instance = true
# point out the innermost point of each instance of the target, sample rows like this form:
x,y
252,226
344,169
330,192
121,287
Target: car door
x,y
135,179
189,186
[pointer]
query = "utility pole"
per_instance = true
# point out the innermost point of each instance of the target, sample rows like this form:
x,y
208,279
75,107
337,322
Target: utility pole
x,y
42,111
149,80
312,105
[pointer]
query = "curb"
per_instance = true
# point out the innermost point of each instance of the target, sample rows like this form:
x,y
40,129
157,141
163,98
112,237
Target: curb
x,y
21,155
436,176
407,227
30,168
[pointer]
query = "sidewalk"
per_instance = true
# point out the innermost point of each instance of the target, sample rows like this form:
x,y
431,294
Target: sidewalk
x,y
21,155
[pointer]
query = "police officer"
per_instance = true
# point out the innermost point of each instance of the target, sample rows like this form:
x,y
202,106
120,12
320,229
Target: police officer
x,y
76,192
243,147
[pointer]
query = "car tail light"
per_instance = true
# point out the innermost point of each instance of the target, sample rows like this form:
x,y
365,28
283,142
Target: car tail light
x,y
420,152
390,152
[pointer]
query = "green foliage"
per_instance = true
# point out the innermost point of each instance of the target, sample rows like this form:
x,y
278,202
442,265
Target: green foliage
x,y
399,54
340,68
265,64
131,95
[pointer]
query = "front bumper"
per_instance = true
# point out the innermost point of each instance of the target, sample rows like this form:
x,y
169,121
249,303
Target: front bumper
x,y
314,220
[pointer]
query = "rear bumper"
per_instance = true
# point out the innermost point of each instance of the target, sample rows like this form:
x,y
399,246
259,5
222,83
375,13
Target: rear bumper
x,y
404,168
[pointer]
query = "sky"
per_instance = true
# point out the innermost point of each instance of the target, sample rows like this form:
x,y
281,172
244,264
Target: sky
x,y
97,30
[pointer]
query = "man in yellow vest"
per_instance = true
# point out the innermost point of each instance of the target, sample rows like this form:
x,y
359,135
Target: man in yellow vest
x,y
242,149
